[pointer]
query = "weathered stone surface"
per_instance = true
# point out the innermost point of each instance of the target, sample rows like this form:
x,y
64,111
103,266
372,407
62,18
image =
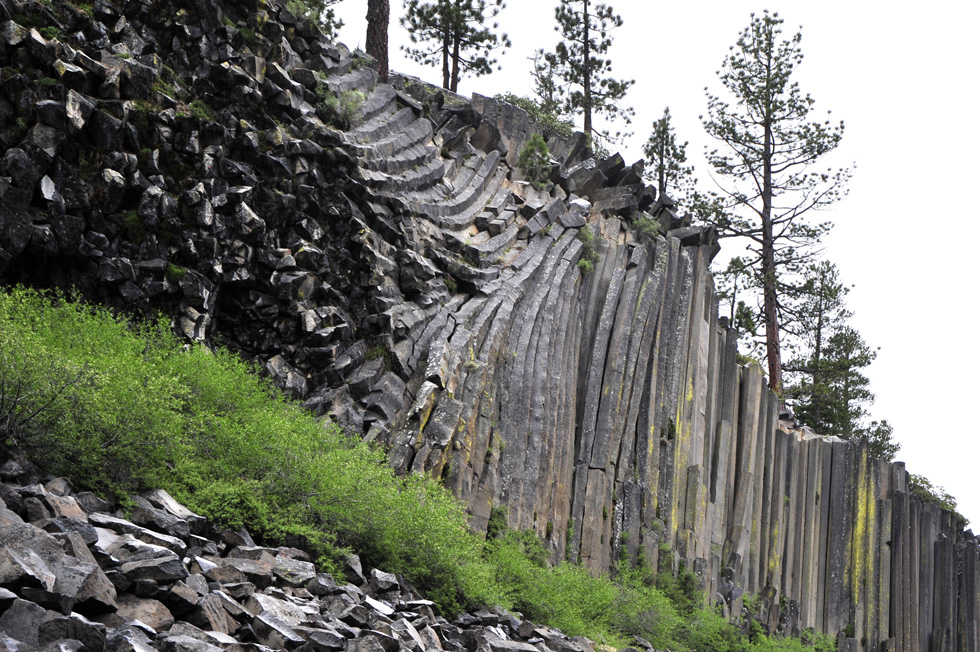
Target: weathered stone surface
x,y
92,635
162,569
152,612
293,571
22,621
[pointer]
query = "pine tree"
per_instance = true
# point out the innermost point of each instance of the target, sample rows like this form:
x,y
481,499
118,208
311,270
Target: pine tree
x,y
551,94
585,31
827,380
813,310
320,12
453,33
770,144
666,159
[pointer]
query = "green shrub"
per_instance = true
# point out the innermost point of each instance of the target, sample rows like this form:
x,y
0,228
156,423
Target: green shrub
x,y
119,407
200,110
134,226
341,110
534,161
928,492
175,273
50,32
646,226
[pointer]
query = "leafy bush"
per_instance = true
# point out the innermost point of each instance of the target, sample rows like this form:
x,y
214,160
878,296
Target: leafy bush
x,y
534,161
117,407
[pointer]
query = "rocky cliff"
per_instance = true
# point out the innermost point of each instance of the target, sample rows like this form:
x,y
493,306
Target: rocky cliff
x,y
377,249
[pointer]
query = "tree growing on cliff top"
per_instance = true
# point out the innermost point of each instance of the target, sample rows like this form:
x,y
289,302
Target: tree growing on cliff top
x,y
769,147
826,374
320,12
454,34
666,158
580,64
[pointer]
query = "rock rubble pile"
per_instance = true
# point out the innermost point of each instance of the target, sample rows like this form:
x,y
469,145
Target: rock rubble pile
x,y
77,576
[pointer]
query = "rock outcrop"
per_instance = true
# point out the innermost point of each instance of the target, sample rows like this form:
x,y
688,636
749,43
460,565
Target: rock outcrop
x,y
378,251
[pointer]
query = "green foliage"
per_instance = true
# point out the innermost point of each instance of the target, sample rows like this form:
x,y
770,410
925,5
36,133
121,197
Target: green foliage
x,y
379,352
200,110
118,407
134,226
319,12
454,34
645,226
928,492
540,114
497,522
175,273
548,86
568,597
814,643
50,32
706,630
682,588
769,143
666,159
578,62
534,161
341,110
589,256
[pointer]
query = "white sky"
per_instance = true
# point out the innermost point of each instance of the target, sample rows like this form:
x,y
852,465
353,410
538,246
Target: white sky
x,y
904,78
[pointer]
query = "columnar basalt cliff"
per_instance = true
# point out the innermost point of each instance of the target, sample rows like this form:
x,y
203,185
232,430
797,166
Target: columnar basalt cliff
x,y
378,250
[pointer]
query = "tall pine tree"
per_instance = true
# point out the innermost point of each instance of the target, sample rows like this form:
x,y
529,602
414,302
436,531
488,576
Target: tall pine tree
x,y
769,145
585,28
455,35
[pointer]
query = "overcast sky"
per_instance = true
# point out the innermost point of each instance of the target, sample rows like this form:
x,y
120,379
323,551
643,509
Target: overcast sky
x,y
904,78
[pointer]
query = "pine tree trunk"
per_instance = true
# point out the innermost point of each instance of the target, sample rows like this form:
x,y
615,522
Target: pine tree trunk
x,y
773,356
378,14
444,16
446,43
587,71
457,16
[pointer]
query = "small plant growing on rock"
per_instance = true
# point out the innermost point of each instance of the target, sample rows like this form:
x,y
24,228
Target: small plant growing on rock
x,y
200,110
534,161
645,226
341,110
589,254
136,229
175,273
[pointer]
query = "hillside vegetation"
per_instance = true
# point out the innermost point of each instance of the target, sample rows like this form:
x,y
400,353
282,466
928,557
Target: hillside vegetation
x,y
117,407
